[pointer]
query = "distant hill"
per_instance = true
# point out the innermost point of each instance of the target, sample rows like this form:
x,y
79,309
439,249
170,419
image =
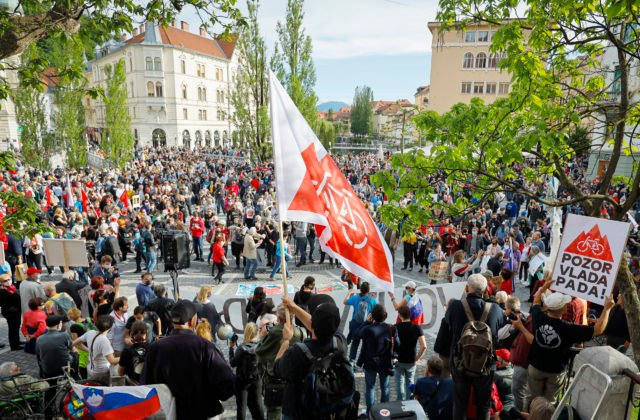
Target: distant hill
x,y
335,105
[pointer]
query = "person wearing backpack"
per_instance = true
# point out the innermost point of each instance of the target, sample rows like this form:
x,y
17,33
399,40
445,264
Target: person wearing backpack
x,y
248,374
57,303
378,357
78,327
474,326
133,356
319,379
362,304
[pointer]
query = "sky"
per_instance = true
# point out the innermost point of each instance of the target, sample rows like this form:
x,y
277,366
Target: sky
x,y
384,44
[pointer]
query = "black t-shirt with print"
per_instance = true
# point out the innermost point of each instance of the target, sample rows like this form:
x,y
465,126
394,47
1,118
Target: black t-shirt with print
x,y
408,334
552,340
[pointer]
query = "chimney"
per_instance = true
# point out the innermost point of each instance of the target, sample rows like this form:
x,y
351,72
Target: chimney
x,y
174,23
123,37
184,25
142,28
203,31
135,32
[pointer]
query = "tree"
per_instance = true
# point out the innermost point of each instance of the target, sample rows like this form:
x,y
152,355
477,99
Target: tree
x,y
250,96
120,141
330,114
326,133
35,20
559,87
292,62
37,142
362,111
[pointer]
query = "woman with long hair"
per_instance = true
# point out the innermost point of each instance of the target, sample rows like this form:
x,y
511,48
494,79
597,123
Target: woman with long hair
x,y
208,311
255,303
133,356
248,374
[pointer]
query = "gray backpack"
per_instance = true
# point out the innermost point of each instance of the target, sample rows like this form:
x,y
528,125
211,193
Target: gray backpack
x,y
474,351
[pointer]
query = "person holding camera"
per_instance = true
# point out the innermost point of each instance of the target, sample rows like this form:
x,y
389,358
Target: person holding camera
x,y
378,357
250,251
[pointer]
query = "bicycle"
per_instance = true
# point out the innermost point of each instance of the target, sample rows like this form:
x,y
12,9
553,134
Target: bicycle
x,y
26,403
592,245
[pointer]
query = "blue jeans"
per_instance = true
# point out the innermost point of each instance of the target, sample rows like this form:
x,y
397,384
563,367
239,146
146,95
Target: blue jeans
x,y
405,376
355,343
276,266
197,247
250,267
370,387
152,260
301,248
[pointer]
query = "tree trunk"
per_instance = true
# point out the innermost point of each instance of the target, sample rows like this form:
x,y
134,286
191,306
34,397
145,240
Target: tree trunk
x,y
631,306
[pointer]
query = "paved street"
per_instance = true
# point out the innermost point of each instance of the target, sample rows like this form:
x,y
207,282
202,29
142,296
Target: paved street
x,y
198,274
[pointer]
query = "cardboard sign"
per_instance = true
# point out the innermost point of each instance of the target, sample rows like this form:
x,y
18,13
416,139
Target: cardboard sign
x,y
434,298
2,260
589,257
135,201
66,252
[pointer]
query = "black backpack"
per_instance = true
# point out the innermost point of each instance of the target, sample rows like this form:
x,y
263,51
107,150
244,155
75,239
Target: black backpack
x,y
329,386
248,370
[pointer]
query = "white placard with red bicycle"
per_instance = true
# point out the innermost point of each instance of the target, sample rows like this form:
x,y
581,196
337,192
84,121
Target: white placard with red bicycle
x,y
589,257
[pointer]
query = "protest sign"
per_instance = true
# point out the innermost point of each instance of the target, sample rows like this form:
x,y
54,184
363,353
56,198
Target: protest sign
x,y
135,201
65,252
589,257
434,298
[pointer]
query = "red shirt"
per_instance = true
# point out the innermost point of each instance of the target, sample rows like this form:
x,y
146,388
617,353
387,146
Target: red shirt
x,y
197,227
218,253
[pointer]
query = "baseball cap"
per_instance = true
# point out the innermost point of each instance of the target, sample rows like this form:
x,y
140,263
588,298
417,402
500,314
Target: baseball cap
x,y
556,301
183,311
410,284
33,270
5,268
503,354
54,320
325,320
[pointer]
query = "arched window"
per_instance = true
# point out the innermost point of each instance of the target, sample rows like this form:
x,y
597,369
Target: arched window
x,y
184,92
207,138
150,89
221,96
186,139
467,63
159,138
130,64
199,94
198,139
183,66
494,59
159,89
481,61
204,94
148,63
157,66
216,138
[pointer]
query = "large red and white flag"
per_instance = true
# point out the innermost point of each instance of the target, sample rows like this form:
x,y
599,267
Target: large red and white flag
x,y
311,188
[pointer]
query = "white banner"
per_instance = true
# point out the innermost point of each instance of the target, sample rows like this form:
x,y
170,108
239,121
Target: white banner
x,y
434,300
589,257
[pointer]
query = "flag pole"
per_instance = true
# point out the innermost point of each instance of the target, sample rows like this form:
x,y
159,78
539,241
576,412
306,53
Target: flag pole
x,y
283,260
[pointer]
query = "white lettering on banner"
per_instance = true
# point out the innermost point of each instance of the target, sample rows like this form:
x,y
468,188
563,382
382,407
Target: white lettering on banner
x,y
434,299
589,257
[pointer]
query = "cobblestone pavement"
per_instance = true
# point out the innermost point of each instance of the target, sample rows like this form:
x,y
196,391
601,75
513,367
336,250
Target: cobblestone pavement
x,y
198,274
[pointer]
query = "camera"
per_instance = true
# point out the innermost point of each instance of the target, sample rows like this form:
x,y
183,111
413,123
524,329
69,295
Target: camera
x,y
394,363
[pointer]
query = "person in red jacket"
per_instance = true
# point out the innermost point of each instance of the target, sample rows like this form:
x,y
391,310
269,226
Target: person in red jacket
x,y
196,226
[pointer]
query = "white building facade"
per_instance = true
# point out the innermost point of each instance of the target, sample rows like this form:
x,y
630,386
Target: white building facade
x,y
178,86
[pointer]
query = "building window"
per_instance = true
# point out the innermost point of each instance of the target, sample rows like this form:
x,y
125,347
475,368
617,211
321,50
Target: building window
x,y
185,114
204,114
467,63
200,114
503,89
494,59
481,61
483,36
151,89
130,64
149,63
159,89
470,37
199,94
157,66
478,88
491,88
221,74
218,115
131,90
204,94
184,92
466,87
183,66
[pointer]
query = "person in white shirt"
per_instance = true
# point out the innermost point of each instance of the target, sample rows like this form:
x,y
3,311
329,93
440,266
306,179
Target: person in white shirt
x,y
119,315
101,355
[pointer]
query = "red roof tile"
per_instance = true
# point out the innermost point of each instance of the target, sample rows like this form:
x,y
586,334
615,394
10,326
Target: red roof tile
x,y
190,41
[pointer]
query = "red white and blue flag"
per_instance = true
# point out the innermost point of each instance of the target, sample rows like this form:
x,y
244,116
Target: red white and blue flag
x,y
119,402
311,188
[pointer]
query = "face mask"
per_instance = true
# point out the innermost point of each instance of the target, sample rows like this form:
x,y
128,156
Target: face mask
x,y
107,266
474,233
38,277
6,283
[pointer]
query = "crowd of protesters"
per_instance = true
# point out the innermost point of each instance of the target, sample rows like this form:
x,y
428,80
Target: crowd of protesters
x,y
226,205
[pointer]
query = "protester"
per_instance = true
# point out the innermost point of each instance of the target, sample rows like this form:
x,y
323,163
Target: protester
x,y
71,286
248,374
301,298
362,305
219,259
53,348
30,288
116,334
207,310
409,335
12,381
33,324
255,304
192,367
435,392
77,328
133,356
144,291
412,300
101,353
10,307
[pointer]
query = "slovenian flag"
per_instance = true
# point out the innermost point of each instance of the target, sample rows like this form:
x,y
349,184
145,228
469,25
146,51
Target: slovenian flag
x,y
119,402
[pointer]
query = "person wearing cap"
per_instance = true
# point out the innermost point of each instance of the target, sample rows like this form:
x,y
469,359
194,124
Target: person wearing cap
x,y
553,339
291,363
412,300
456,317
504,378
193,368
10,306
53,348
71,286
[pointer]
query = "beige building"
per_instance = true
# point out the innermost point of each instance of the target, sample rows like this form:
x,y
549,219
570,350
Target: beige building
x,y
421,97
462,67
